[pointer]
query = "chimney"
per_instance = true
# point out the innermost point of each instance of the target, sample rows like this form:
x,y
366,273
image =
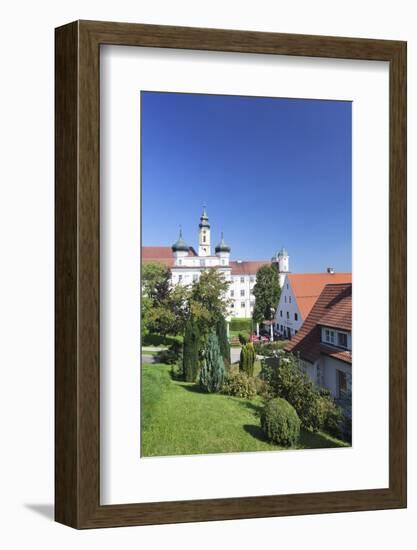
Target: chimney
x,y
331,270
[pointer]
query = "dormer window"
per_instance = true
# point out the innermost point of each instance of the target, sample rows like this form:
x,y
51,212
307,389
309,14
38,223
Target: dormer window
x,y
342,340
329,336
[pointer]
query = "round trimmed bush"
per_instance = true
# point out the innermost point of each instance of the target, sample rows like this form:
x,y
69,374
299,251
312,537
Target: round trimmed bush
x,y
280,422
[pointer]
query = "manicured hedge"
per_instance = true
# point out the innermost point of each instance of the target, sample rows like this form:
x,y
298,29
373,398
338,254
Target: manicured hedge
x,y
280,422
241,323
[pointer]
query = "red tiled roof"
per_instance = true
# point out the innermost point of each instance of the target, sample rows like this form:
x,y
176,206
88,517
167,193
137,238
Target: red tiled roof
x,y
247,268
161,254
307,287
334,304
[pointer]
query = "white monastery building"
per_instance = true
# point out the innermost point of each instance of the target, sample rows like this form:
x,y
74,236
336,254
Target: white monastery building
x,y
186,266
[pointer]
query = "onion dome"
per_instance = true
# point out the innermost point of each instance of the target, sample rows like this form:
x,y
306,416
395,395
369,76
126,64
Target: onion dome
x,y
204,221
180,245
222,246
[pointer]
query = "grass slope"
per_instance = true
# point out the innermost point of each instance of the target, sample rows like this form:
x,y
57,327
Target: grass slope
x,y
178,419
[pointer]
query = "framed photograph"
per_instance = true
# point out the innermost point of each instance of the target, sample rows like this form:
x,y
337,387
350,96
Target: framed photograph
x,y
230,274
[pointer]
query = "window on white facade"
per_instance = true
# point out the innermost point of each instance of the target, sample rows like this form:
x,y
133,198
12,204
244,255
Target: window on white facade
x,y
285,298
179,261
179,278
295,316
289,298
201,262
288,314
242,292
242,279
252,279
232,293
342,339
195,277
242,304
280,313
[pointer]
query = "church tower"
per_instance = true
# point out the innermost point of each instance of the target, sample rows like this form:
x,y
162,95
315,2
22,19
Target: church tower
x,y
204,247
282,261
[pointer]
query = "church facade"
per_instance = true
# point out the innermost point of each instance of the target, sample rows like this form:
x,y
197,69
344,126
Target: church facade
x,y
186,265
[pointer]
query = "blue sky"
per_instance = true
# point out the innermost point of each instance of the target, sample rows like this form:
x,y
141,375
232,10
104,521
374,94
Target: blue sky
x,y
272,172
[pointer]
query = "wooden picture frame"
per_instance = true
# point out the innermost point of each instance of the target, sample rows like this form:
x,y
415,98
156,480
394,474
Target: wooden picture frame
x,y
77,374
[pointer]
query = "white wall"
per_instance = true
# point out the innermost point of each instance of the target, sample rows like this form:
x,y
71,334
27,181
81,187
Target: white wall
x,y
26,218
288,303
331,366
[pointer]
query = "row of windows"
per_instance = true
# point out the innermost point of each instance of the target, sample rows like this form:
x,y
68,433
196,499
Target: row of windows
x,y
243,305
242,294
288,315
289,299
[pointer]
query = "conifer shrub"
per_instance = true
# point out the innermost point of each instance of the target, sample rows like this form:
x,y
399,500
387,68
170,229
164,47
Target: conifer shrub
x,y
191,349
242,339
247,359
221,331
212,371
280,422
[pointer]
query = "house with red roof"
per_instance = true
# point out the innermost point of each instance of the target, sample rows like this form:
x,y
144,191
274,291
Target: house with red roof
x,y
324,341
299,293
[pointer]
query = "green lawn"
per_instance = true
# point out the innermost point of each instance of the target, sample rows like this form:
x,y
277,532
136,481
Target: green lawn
x,y
178,419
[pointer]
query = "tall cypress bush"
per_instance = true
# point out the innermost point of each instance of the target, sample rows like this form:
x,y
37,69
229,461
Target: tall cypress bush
x,y
247,359
190,362
221,331
212,371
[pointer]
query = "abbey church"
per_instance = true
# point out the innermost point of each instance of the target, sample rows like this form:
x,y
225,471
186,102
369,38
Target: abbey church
x,y
186,265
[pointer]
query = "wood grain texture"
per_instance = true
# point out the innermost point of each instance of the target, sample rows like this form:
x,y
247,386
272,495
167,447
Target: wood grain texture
x,y
78,285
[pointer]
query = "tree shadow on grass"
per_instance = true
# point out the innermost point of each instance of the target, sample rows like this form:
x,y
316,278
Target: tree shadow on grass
x,y
256,432
316,440
253,407
194,388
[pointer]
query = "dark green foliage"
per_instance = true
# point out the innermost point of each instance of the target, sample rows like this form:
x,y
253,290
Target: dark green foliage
x,y
191,351
239,323
315,407
171,355
292,384
242,339
267,292
332,420
247,359
240,384
221,331
212,371
280,422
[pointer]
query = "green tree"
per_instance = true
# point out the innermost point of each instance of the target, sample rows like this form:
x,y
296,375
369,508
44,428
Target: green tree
x,y
221,331
212,370
208,301
267,292
155,282
164,308
190,364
